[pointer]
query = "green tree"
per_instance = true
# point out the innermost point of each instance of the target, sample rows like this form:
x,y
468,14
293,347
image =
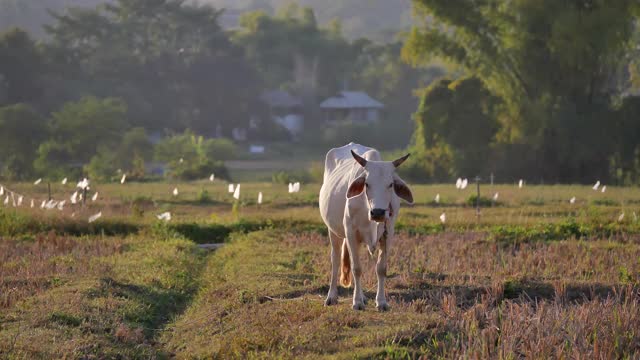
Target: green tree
x,y
21,132
291,49
460,116
21,68
383,75
554,64
169,60
129,157
78,130
191,157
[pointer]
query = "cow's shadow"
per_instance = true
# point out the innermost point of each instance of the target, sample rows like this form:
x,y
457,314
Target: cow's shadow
x,y
432,291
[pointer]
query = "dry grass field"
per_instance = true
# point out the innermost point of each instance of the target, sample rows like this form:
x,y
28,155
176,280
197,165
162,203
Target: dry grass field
x,y
533,276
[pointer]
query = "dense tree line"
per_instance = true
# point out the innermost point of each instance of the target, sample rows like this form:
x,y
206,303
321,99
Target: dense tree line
x,y
542,90
381,20
108,76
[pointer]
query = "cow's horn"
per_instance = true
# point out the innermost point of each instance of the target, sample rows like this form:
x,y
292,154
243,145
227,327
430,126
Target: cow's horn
x,y
399,161
362,161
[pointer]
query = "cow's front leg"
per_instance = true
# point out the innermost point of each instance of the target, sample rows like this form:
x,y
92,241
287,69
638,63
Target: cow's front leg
x,y
336,242
356,269
381,271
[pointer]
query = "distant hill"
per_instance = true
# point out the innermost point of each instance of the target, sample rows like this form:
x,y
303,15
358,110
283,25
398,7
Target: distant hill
x,y
33,14
374,19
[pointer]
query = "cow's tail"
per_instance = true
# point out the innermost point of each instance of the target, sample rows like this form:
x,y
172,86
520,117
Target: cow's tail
x,y
345,269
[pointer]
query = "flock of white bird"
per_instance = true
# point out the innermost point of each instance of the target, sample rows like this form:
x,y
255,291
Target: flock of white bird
x,y
461,184
16,200
83,186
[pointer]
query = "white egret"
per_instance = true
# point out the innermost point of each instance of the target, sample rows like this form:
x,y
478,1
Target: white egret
x,y
520,183
464,184
596,185
51,204
64,181
458,183
94,197
260,198
95,217
166,216
236,192
124,178
175,191
37,182
572,200
83,184
437,199
231,188
443,218
604,188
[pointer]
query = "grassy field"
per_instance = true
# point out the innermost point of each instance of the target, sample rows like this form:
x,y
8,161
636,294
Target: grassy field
x,y
533,276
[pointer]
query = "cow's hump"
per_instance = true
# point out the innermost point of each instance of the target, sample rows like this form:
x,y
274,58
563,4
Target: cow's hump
x,y
337,156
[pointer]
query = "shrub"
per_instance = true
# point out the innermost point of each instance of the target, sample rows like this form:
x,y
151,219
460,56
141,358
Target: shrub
x,y
203,197
102,166
200,170
191,157
484,201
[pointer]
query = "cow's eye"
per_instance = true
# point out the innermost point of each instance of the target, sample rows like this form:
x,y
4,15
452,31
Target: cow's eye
x,y
366,184
390,185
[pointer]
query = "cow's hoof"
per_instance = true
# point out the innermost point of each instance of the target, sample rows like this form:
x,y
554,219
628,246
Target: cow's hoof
x,y
383,307
330,301
358,306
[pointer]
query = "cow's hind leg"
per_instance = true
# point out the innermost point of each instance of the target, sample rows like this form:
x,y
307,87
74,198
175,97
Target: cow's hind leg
x,y
356,269
336,242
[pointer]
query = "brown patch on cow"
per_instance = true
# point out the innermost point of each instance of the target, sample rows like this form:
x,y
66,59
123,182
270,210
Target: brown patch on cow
x,y
356,187
402,190
345,271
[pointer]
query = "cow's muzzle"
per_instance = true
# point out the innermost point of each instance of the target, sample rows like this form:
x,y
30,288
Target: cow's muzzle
x,y
378,215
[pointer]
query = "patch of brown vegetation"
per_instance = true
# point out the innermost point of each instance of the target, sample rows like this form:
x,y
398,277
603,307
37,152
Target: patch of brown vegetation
x,y
30,267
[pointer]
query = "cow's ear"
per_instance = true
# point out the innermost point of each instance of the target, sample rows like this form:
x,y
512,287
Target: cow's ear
x,y
402,190
355,188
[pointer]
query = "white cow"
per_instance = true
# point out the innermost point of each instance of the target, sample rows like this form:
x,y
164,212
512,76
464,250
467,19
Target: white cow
x,y
359,203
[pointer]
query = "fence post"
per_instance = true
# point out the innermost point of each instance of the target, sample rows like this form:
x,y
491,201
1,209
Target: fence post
x,y
478,196
49,189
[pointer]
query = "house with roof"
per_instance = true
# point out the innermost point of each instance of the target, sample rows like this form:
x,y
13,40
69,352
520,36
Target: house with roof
x,y
354,106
